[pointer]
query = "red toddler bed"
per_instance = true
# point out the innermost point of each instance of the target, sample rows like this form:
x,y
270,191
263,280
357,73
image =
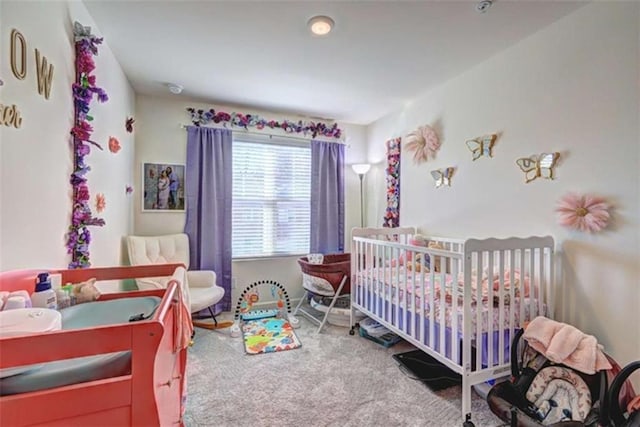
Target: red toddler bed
x,y
150,393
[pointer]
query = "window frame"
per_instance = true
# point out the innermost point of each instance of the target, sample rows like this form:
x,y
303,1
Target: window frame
x,y
252,138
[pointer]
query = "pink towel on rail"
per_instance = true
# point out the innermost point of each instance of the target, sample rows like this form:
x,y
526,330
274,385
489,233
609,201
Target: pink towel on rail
x,y
563,343
185,325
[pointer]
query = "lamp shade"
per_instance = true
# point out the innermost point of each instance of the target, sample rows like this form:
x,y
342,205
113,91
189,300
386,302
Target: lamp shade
x,y
361,168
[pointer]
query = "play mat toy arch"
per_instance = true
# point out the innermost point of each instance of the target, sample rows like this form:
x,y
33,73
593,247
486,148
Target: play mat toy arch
x,y
251,295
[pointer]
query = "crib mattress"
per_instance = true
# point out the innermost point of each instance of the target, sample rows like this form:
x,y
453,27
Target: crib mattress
x,y
82,369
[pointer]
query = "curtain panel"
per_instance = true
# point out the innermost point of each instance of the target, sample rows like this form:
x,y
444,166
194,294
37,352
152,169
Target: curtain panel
x,y
208,204
327,197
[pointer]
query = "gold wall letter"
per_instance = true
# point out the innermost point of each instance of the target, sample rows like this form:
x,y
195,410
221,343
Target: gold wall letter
x,y
16,36
45,74
10,116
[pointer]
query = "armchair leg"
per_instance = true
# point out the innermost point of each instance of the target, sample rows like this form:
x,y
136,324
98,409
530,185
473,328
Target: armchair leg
x,y
216,324
213,316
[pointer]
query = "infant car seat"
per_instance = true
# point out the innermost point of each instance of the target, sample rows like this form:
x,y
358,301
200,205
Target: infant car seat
x,y
614,402
541,393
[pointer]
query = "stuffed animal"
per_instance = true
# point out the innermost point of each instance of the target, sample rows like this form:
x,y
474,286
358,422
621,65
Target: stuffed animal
x,y
436,259
418,265
416,240
86,291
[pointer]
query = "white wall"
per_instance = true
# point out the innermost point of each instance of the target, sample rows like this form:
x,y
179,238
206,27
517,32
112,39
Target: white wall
x,y
36,160
571,88
159,138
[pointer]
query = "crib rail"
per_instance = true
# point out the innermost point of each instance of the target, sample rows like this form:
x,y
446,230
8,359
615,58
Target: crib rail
x,y
462,303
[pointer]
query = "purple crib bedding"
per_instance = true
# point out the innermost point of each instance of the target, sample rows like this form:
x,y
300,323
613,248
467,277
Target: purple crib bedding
x,y
386,309
490,310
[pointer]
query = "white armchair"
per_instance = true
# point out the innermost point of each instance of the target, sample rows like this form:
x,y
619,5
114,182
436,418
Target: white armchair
x,y
201,291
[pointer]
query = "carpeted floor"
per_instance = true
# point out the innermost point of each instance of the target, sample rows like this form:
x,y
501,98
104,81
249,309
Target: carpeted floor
x,y
334,379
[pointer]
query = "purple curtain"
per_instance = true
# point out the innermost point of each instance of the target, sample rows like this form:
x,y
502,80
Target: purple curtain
x,y
208,204
327,197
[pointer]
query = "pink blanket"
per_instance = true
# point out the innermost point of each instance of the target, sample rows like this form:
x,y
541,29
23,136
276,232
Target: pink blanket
x,y
396,276
563,343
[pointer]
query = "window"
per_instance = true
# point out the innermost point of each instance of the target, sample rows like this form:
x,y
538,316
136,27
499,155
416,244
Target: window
x,y
271,198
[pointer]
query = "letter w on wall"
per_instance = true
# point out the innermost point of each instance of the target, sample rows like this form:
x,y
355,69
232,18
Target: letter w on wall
x,y
45,74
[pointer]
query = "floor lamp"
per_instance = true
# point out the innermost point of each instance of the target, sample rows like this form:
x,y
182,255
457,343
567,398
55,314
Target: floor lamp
x,y
361,170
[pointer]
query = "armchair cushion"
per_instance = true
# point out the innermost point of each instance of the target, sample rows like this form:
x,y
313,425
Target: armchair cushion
x,y
180,275
202,298
201,278
200,289
167,249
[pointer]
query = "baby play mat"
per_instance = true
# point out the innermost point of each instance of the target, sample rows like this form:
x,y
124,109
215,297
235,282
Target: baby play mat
x,y
268,335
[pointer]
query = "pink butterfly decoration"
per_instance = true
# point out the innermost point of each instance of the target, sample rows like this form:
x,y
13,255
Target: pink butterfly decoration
x,y
424,143
584,213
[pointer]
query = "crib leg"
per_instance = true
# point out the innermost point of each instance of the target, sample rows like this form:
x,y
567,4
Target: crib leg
x,y
466,400
352,317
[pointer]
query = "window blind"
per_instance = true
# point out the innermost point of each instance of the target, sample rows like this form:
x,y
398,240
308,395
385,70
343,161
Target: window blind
x,y
271,199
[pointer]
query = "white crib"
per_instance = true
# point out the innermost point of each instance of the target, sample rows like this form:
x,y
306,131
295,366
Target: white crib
x,y
476,293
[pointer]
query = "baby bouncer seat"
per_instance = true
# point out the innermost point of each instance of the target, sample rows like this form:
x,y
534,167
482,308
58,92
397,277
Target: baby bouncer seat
x,y
543,393
326,276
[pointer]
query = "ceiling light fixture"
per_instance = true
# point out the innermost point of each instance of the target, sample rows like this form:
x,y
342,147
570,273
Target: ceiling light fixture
x,y
174,88
321,25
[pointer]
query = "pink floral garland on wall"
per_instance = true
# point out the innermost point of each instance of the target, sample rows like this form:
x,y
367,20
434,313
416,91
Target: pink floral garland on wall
x,y
84,89
392,214
203,117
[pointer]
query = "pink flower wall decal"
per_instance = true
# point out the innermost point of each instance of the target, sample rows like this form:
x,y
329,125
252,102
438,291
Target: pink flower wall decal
x,y
585,213
101,202
424,143
114,144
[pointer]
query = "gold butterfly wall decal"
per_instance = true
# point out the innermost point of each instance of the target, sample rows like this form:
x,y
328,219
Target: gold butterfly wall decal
x,y
482,146
442,177
538,166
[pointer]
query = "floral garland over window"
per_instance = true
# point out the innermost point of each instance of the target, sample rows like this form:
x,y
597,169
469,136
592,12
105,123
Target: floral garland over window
x,y
84,89
202,117
392,215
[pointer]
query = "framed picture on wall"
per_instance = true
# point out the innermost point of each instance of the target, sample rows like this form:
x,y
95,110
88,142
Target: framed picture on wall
x,y
163,187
